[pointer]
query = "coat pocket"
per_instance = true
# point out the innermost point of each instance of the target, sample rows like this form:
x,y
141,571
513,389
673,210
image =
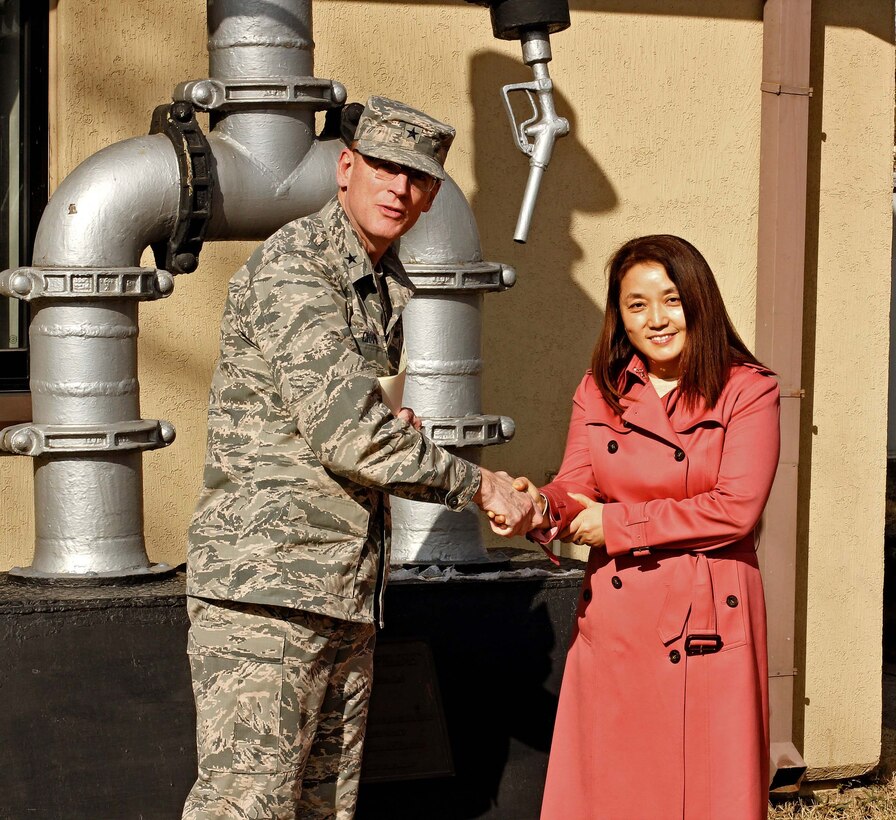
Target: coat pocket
x,y
731,600
376,352
328,536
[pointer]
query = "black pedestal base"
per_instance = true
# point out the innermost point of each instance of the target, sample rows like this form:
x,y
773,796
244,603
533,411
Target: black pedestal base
x,y
98,722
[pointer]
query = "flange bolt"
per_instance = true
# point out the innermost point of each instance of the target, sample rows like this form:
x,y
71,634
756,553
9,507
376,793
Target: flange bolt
x,y
186,262
508,276
182,111
21,284
508,428
22,442
338,93
167,431
164,282
203,93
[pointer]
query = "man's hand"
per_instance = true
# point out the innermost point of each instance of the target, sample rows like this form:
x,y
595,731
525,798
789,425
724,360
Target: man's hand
x,y
408,415
511,511
524,485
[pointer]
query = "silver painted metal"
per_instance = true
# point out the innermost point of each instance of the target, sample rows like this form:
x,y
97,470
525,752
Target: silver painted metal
x,y
470,431
83,283
87,435
94,527
38,439
535,136
485,276
212,94
443,337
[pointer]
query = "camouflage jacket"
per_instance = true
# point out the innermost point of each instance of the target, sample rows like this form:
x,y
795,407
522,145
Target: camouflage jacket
x,y
301,449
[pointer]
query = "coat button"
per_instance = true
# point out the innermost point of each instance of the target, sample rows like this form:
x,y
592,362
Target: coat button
x,y
612,446
679,455
731,600
675,656
616,581
586,595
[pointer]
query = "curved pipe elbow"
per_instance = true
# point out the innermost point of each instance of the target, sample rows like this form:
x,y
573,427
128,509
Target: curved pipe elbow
x,y
447,234
126,196
111,206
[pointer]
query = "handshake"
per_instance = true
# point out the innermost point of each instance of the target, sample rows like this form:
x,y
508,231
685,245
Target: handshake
x,y
513,505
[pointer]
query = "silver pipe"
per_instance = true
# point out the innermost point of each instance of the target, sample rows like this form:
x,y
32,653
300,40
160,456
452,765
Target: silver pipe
x,y
87,436
263,40
443,330
111,206
252,201
260,38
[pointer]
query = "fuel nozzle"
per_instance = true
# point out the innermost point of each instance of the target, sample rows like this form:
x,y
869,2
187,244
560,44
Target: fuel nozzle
x,y
535,136
532,22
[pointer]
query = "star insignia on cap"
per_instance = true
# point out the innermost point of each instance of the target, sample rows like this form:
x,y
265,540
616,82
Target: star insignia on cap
x,y
351,259
413,133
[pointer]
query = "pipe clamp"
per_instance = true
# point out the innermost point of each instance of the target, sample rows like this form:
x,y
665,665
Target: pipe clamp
x,y
46,439
214,94
180,252
33,283
469,431
473,276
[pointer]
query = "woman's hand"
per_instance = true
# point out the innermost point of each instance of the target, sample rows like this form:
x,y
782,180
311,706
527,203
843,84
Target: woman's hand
x,y
588,526
524,485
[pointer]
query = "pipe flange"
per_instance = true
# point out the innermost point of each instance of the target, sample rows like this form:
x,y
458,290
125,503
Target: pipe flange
x,y
29,284
47,439
214,94
469,431
468,277
90,578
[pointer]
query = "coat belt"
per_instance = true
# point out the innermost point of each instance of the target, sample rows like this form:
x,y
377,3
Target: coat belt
x,y
690,602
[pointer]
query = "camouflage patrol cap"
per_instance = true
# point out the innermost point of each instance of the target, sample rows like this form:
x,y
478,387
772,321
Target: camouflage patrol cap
x,y
398,133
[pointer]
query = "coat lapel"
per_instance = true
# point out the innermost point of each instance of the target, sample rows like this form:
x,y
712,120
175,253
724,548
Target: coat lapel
x,y
645,409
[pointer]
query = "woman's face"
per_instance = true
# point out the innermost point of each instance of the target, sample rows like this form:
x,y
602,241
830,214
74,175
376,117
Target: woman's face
x,y
653,317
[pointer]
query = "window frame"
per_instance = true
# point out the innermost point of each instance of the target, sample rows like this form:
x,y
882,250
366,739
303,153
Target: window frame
x,y
34,72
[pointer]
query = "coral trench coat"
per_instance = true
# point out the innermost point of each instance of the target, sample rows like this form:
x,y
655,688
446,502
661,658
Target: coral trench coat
x,y
663,711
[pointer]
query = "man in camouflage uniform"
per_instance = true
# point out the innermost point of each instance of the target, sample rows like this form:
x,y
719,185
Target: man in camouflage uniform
x,y
289,543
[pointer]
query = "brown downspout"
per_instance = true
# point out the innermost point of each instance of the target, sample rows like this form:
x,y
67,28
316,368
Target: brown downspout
x,y
779,339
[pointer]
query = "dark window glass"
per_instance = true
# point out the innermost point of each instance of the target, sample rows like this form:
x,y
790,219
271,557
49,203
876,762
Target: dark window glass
x,y
23,165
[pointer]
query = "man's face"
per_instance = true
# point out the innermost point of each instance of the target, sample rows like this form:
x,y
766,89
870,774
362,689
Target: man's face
x,y
380,210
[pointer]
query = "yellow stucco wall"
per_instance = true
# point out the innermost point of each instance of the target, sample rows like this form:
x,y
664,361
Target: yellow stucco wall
x,y
665,116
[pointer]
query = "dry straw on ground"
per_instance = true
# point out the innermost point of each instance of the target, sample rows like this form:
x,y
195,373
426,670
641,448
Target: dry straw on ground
x,y
874,802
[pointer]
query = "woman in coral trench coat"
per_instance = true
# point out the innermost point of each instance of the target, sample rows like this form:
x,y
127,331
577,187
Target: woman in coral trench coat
x,y
671,453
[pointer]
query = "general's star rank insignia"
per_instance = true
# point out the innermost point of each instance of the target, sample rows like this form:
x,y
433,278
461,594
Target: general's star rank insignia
x,y
351,259
413,133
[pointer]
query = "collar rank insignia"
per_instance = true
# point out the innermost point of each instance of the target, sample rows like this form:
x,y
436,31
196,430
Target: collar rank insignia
x,y
351,259
413,133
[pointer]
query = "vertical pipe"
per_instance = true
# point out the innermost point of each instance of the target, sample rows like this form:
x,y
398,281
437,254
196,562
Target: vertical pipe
x,y
443,338
779,337
263,40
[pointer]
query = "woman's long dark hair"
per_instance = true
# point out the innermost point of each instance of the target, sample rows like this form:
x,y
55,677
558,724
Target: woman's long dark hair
x,y
712,345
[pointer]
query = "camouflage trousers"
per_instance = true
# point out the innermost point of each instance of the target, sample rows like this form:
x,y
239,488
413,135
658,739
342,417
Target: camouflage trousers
x,y
281,707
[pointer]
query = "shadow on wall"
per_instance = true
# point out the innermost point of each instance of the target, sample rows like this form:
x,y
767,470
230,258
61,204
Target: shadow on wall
x,y
547,311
